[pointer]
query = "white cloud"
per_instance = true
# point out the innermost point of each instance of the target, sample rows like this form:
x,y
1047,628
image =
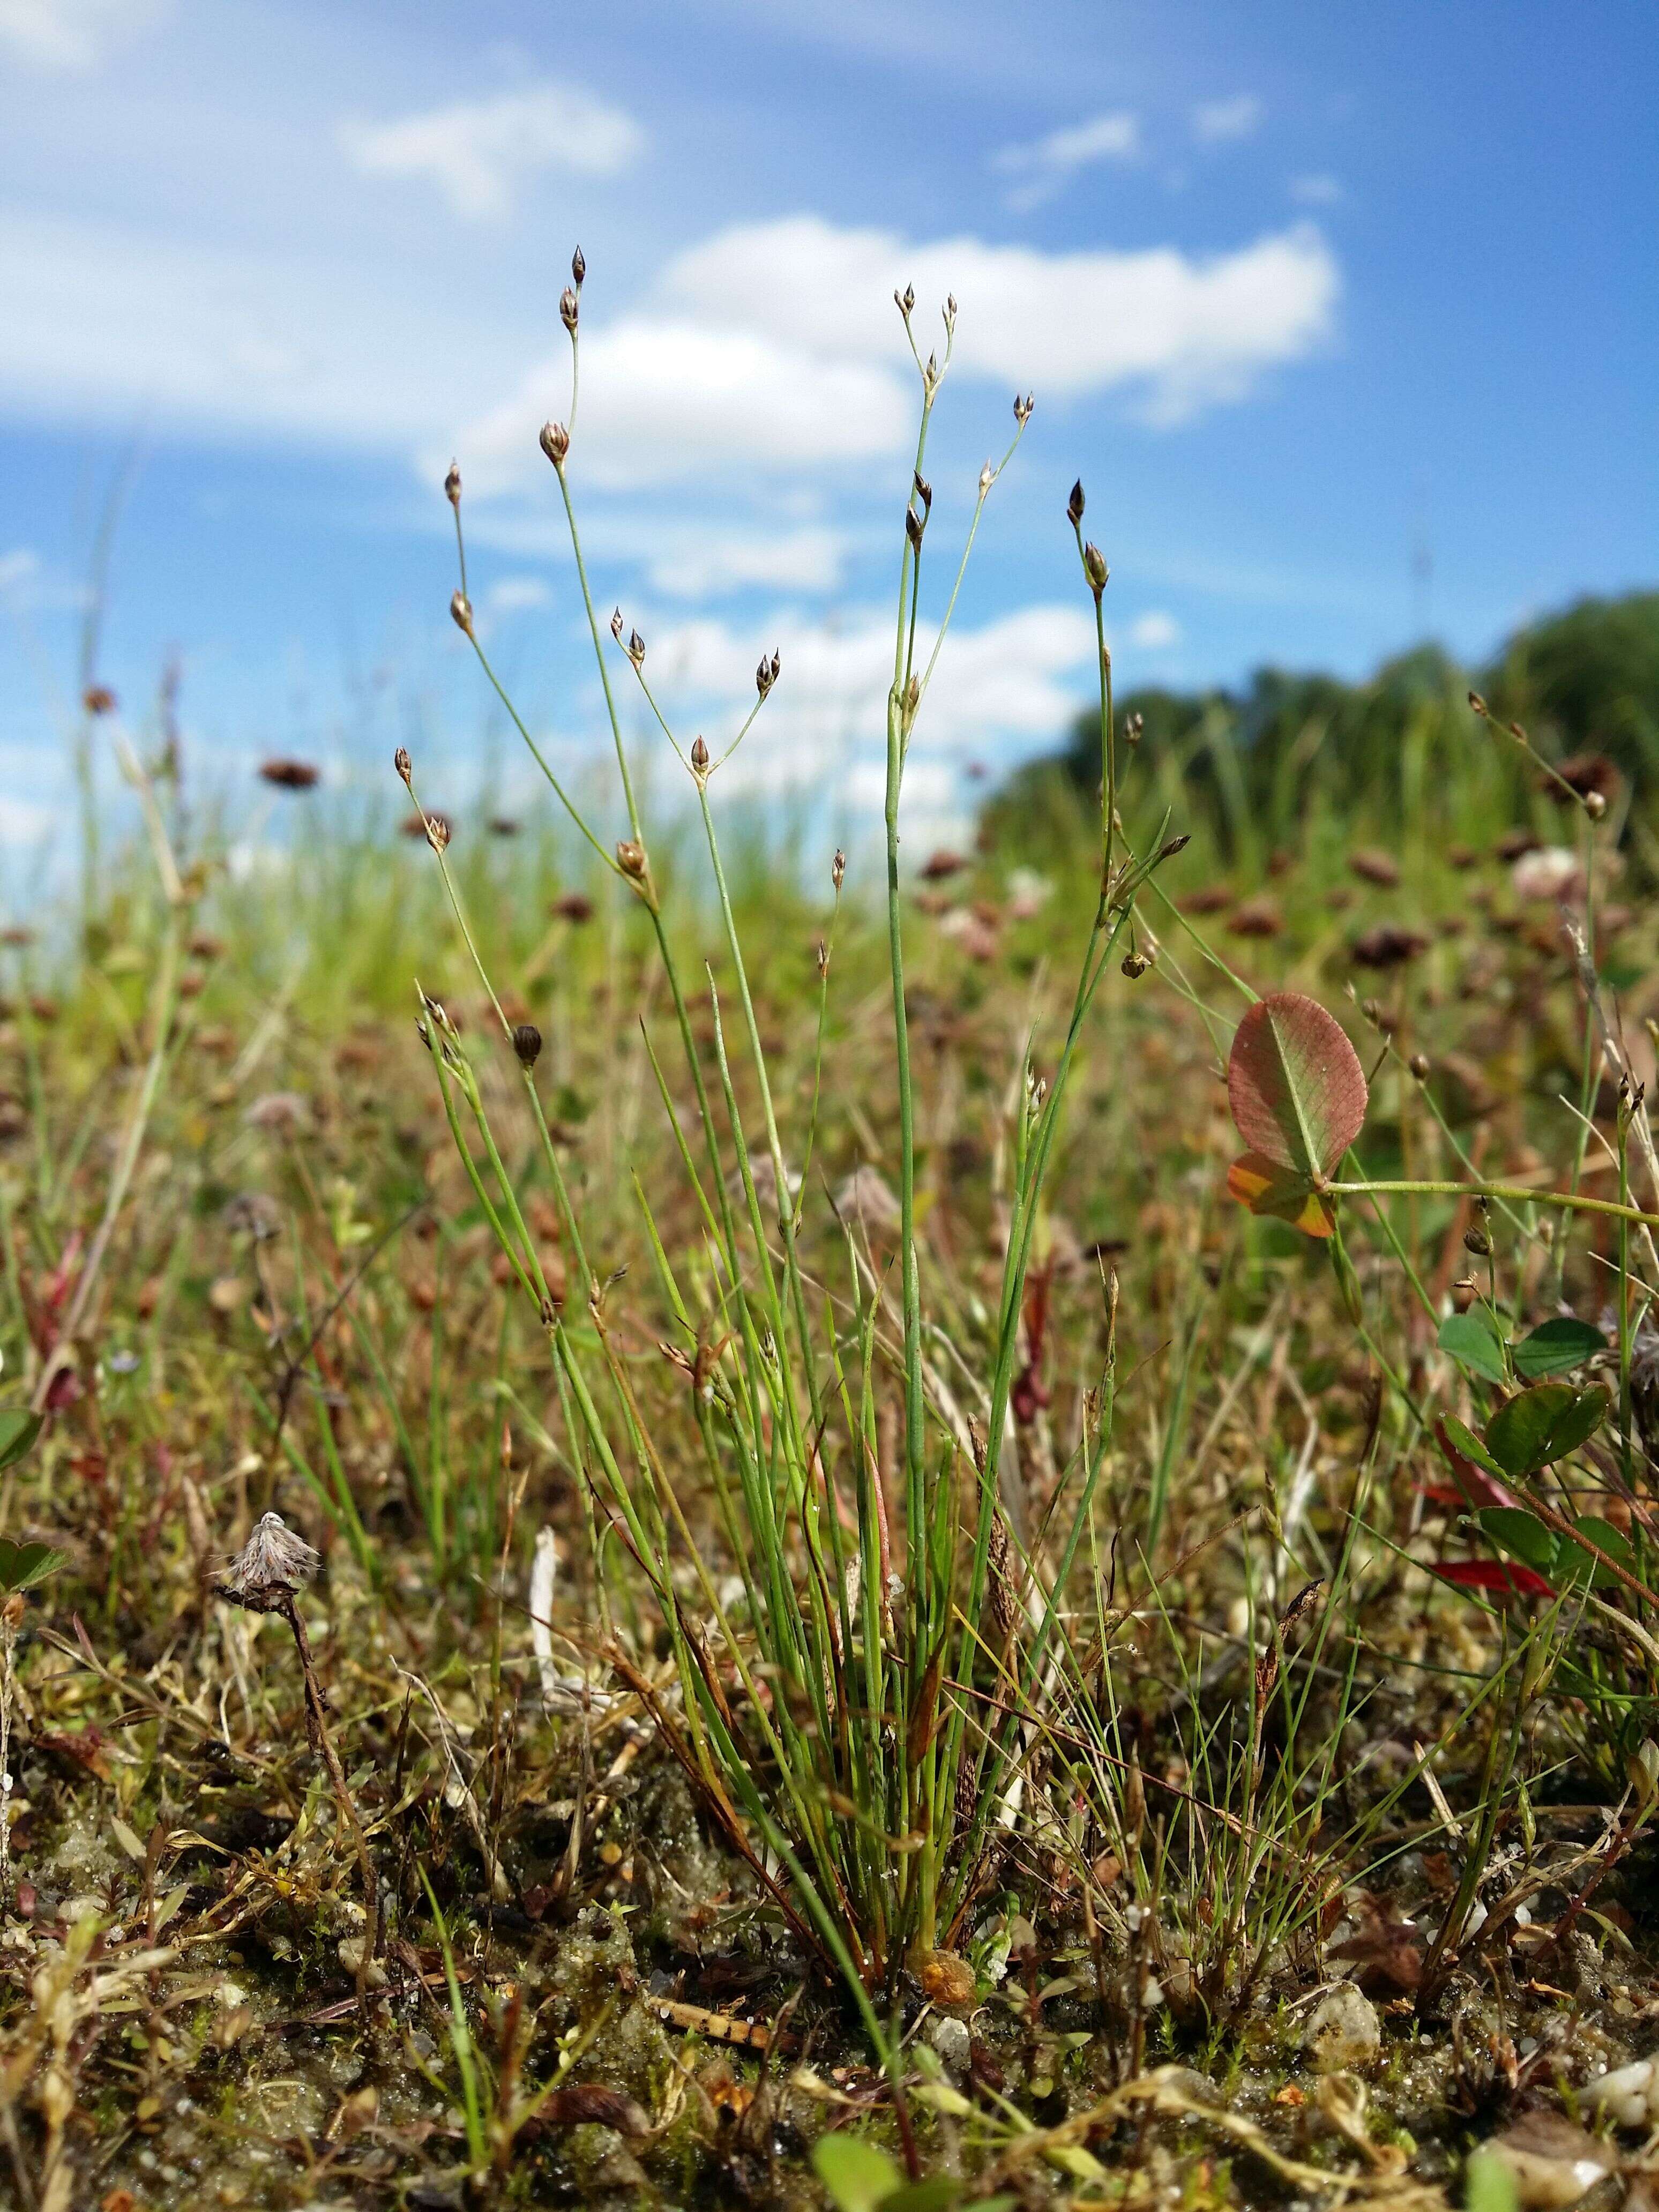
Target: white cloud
x,y
769,347
515,595
1318,192
28,587
478,152
74,34
1189,332
699,563
18,570
1217,121
24,823
1154,631
1046,163
98,317
674,398
1004,683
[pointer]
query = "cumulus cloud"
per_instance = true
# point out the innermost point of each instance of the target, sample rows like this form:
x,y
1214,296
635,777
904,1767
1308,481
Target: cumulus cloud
x,y
1189,331
669,398
700,562
1007,681
769,349
74,34
1217,121
1042,166
1155,631
479,152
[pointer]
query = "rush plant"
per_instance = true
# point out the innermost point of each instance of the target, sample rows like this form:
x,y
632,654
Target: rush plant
x,y
826,1638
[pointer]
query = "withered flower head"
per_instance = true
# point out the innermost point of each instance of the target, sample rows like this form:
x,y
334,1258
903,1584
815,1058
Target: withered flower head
x,y
1389,945
568,309
401,763
1588,775
452,484
275,1562
556,441
460,608
290,774
578,268
1074,505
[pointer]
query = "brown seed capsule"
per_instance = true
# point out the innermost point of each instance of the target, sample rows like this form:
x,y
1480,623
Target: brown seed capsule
x,y
1023,408
1074,505
1419,1064
437,832
569,307
1005,1609
1477,703
527,1043
461,608
912,528
1171,846
452,484
1464,1292
1134,728
924,491
1594,806
699,757
98,699
764,676
630,859
1094,566
838,868
555,442
905,300
615,624
578,268
636,648
1476,1240
401,763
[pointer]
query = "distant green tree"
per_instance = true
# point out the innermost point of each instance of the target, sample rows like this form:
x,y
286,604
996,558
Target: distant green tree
x,y
1588,679
1257,759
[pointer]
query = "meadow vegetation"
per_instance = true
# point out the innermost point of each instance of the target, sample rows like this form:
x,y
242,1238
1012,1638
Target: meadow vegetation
x,y
962,1528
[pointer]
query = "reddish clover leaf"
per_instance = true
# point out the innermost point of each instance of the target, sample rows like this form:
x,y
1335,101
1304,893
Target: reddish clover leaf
x,y
1298,1097
1295,1085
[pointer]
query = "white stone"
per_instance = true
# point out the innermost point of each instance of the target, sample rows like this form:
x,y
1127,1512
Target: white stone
x,y
1631,2094
1343,2033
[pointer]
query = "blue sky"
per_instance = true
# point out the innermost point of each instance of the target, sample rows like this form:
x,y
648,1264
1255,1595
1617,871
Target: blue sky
x,y
1347,318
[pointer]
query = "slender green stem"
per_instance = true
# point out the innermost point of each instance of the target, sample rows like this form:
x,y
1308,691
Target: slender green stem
x,y
1515,1193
